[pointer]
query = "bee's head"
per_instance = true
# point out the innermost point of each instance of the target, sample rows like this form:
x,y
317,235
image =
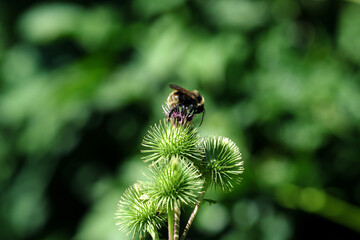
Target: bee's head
x,y
199,108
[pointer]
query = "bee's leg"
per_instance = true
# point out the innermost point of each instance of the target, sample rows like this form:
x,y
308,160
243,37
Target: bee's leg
x,y
190,115
172,110
202,118
191,111
190,108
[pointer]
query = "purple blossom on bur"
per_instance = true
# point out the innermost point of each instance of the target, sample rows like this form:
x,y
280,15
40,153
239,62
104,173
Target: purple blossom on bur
x,y
180,115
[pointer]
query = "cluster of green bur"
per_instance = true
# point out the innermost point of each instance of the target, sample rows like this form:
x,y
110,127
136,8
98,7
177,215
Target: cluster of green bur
x,y
182,167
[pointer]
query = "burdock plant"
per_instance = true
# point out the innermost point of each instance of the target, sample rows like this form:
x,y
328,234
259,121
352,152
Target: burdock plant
x,y
182,166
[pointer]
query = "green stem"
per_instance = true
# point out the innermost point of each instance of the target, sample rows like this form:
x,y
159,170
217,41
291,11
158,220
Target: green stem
x,y
196,209
177,213
171,224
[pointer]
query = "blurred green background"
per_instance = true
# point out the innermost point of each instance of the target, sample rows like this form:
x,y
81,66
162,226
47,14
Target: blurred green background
x,y
82,81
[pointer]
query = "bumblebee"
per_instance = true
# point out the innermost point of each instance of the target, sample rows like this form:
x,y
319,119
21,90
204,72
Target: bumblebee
x,y
185,99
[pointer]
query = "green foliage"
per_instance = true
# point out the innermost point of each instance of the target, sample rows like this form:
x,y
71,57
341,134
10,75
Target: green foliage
x,y
80,82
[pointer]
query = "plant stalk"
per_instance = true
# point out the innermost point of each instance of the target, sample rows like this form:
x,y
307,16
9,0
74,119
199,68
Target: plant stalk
x,y
196,209
171,224
177,213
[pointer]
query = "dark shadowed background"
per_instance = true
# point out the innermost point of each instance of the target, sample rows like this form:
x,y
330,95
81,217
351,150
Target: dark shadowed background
x,y
82,81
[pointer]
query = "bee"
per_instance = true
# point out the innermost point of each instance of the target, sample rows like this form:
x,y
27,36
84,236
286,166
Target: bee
x,y
185,99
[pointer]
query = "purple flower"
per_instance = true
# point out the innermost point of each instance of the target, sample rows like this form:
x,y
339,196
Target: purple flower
x,y
180,115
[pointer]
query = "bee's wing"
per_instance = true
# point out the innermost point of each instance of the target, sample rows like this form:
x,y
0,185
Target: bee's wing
x,y
183,90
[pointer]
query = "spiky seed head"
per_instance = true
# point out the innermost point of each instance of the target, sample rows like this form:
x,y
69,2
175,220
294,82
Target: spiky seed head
x,y
167,139
178,181
223,164
137,215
